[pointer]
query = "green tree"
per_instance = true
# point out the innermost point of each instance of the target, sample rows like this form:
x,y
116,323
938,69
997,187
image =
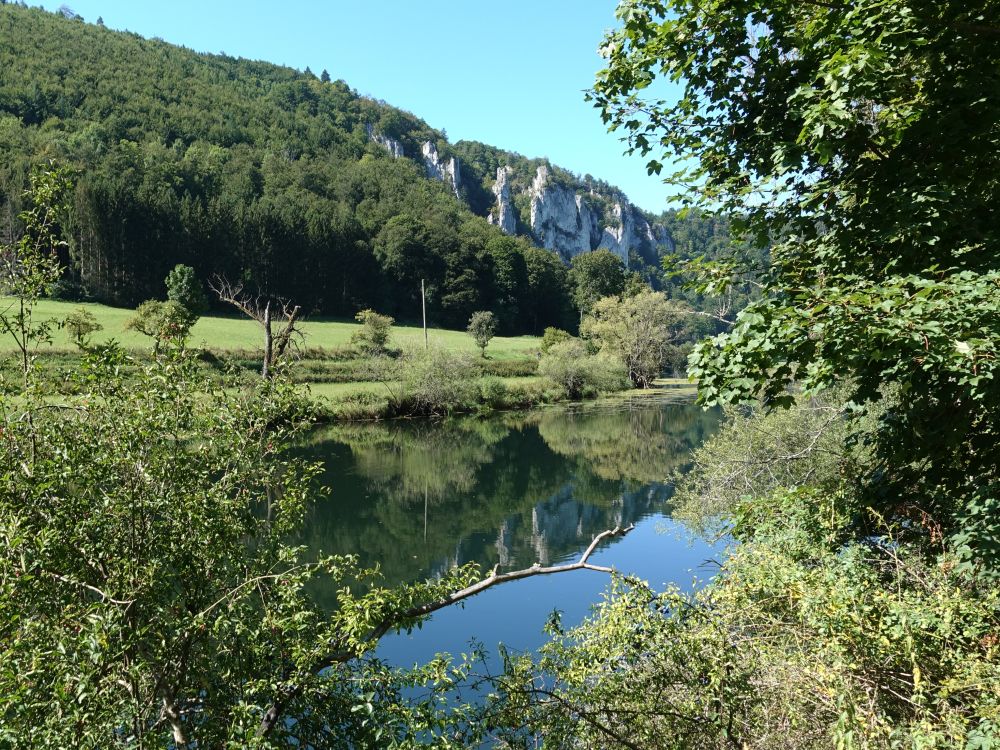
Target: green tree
x,y
162,321
640,331
184,288
373,336
596,275
80,325
482,327
878,200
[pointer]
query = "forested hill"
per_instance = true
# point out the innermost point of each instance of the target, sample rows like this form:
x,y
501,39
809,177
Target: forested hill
x,y
289,181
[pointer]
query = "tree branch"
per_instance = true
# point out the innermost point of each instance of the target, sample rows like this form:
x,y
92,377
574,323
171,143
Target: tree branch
x,y
275,712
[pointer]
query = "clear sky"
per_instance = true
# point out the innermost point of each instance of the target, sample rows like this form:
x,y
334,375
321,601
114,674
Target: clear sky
x,y
509,73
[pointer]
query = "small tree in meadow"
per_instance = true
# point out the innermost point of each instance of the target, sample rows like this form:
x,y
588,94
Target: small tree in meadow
x,y
184,288
80,325
162,321
482,328
373,336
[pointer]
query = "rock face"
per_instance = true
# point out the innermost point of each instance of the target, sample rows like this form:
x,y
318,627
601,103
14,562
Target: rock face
x,y
560,220
391,145
503,215
438,169
564,222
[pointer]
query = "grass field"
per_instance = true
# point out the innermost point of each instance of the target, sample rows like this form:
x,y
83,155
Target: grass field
x,y
231,333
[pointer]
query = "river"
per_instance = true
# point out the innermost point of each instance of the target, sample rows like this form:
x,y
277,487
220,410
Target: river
x,y
510,490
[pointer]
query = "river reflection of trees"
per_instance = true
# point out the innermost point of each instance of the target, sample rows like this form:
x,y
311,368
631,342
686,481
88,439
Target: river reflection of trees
x,y
417,497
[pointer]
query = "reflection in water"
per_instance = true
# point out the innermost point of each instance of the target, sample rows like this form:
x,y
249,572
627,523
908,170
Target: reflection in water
x,y
415,498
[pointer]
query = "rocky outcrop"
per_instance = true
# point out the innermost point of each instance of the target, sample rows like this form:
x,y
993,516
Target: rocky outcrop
x,y
439,169
391,145
569,223
560,221
503,215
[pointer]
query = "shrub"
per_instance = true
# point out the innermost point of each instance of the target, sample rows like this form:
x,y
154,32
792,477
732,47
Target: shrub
x,y
80,324
184,288
373,336
493,392
553,336
162,321
438,381
577,372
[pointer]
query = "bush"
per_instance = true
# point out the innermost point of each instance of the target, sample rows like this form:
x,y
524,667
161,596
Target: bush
x,y
184,288
80,324
373,336
493,392
438,381
553,336
162,321
578,373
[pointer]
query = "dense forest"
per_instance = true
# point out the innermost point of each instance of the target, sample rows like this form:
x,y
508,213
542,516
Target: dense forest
x,y
265,175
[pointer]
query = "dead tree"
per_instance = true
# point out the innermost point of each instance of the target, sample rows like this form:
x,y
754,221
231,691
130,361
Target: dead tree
x,y
265,310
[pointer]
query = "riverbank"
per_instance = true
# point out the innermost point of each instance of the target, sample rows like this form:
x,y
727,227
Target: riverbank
x,y
342,384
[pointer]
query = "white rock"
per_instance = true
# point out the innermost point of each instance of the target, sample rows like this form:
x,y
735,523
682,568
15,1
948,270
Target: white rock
x,y
391,145
503,215
445,171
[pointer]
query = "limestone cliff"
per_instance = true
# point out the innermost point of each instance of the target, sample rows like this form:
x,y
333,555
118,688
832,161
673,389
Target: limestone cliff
x,y
446,171
503,215
570,223
391,145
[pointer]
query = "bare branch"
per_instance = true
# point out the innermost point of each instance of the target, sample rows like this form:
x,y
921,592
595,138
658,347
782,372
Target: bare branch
x,y
396,619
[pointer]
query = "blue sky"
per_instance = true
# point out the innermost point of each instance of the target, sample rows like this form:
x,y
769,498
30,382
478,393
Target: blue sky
x,y
510,73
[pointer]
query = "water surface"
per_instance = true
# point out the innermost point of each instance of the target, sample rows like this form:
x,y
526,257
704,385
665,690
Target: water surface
x,y
417,497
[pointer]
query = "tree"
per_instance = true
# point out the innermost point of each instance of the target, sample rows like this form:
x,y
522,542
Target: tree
x,y
80,324
162,321
482,327
879,198
184,288
373,336
29,264
324,76
595,275
262,309
639,331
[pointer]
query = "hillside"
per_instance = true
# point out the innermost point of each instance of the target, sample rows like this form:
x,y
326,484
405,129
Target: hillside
x,y
294,183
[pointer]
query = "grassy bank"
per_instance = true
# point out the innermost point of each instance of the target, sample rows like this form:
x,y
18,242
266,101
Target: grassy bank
x,y
338,379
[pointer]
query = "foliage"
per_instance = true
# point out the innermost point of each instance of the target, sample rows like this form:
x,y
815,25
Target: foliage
x,y
572,367
761,451
638,330
437,380
796,644
30,265
482,327
373,336
878,202
596,275
184,288
81,324
553,336
162,321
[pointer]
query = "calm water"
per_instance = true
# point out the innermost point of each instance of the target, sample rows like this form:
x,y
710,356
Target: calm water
x,y
419,497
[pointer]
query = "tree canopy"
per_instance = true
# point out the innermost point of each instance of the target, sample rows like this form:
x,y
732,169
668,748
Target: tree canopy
x,y
861,140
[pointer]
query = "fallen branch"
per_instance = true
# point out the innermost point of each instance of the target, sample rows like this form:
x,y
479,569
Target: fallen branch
x,y
275,712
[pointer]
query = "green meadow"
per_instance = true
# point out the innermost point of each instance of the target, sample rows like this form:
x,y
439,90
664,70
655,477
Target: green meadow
x,y
229,333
